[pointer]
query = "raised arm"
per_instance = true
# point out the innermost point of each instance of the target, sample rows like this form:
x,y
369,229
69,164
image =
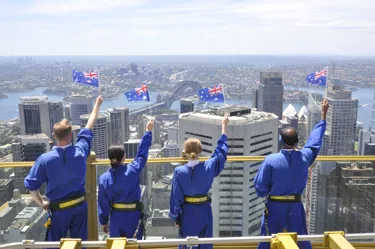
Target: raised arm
x,y
142,154
176,199
84,137
219,157
262,181
314,142
94,114
34,180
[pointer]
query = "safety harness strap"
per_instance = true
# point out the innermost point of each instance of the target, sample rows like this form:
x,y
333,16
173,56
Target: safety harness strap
x,y
198,199
67,204
127,207
285,198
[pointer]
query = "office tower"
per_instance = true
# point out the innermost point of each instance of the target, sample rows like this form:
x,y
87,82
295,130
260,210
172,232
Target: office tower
x,y
186,105
314,111
27,148
160,224
171,149
131,150
79,105
156,133
365,137
6,190
369,149
341,121
255,98
161,191
346,200
100,140
67,112
38,115
75,130
119,125
270,93
237,210
173,133
133,67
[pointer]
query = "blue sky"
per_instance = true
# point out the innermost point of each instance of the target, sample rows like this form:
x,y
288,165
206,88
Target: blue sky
x,y
145,27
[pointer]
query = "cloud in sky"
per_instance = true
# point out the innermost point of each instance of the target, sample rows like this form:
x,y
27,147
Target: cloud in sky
x,y
139,27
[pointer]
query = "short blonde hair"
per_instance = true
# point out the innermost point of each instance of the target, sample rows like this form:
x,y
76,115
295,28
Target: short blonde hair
x,y
192,148
62,129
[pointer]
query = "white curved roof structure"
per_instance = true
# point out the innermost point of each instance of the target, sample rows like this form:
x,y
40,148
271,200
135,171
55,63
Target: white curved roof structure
x,y
303,112
289,111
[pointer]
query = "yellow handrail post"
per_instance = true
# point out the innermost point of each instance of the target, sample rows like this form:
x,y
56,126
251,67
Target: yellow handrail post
x,y
116,243
91,197
336,240
284,241
70,244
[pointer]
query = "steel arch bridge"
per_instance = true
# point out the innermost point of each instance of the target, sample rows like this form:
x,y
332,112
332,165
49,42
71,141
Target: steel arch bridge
x,y
179,89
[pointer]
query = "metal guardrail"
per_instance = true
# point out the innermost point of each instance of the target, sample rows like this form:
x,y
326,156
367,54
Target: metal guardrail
x,y
91,181
334,240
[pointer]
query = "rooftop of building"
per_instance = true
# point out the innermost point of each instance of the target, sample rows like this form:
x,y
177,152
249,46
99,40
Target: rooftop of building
x,y
215,115
86,116
21,138
160,213
133,141
27,213
5,181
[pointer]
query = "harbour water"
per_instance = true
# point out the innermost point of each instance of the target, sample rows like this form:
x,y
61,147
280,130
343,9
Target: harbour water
x,y
9,106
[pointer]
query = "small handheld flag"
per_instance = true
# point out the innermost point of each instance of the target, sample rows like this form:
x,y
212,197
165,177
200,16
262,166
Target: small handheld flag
x,y
318,78
213,94
91,78
138,94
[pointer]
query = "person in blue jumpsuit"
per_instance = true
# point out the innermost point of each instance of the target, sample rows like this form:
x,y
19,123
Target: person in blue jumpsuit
x,y
190,204
64,171
120,192
282,179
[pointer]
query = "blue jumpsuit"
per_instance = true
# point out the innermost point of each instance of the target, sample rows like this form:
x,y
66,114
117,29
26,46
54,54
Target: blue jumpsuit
x,y
196,219
282,174
121,185
64,171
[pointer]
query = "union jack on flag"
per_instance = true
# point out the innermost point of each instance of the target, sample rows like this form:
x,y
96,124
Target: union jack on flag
x,y
318,78
138,94
91,78
211,94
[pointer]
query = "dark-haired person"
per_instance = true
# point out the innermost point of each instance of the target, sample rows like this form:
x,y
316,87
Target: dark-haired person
x,y
190,204
120,192
282,179
64,171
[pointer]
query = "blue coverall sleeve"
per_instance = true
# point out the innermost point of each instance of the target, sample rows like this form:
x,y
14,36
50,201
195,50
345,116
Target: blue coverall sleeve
x,y
104,205
314,142
219,157
141,159
177,198
37,175
262,181
84,139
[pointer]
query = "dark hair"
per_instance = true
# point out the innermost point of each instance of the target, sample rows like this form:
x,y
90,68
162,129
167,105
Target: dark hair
x,y
115,155
289,136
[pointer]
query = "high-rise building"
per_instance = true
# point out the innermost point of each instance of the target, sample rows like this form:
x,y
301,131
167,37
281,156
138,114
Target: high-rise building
x,y
237,210
171,149
373,115
38,115
27,148
67,112
270,93
255,99
156,133
346,199
341,121
173,133
6,190
160,224
314,111
186,105
131,150
133,67
365,137
79,105
119,125
100,140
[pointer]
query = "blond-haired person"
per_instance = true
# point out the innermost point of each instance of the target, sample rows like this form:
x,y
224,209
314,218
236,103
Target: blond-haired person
x,y
190,204
64,171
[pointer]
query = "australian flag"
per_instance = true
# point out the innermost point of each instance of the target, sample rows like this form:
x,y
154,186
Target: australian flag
x,y
138,94
211,94
318,78
91,78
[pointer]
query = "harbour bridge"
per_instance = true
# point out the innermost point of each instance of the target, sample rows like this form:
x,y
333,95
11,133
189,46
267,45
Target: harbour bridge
x,y
182,89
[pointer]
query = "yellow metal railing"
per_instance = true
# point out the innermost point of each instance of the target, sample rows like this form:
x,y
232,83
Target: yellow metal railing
x,y
91,188
330,240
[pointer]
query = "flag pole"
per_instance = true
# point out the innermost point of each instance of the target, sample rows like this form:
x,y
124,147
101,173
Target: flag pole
x,y
326,93
225,107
